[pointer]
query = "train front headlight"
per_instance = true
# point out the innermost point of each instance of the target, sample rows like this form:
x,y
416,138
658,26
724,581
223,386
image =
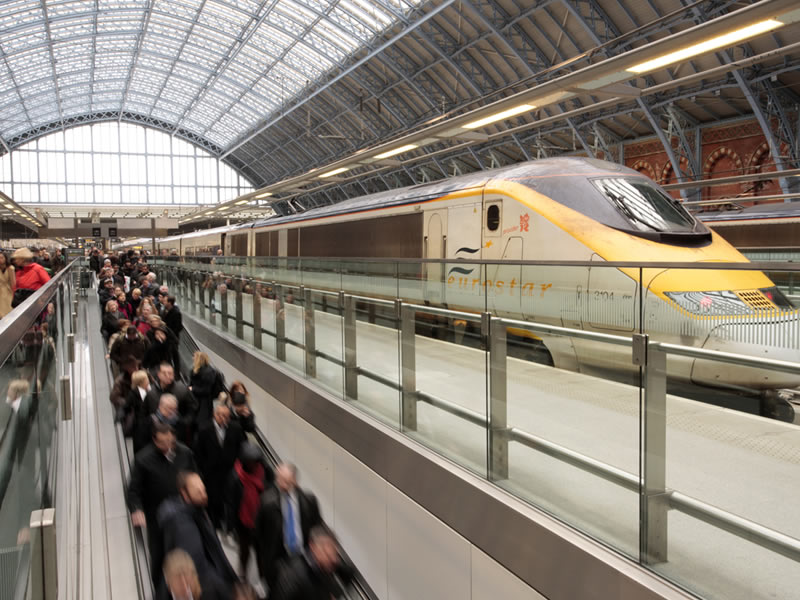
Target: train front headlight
x,y
710,303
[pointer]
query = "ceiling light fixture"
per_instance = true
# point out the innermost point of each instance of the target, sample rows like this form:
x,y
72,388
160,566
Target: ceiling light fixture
x,y
396,151
264,195
720,41
502,115
240,202
334,172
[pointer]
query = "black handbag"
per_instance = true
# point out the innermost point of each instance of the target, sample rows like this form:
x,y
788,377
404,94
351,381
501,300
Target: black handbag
x,y
20,295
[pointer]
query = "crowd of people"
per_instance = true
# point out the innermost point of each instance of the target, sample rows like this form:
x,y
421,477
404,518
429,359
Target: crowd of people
x,y
24,272
197,477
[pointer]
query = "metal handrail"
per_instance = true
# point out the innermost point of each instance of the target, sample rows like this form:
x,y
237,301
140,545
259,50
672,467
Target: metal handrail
x,y
14,325
739,526
728,357
607,338
712,266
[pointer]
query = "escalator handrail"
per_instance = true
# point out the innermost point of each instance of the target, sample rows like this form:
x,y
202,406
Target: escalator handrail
x,y
21,318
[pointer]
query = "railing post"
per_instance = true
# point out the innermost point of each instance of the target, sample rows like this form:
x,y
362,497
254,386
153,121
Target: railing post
x,y
257,315
212,309
310,341
408,367
654,501
239,284
347,304
43,580
280,324
193,291
498,405
223,306
66,398
71,347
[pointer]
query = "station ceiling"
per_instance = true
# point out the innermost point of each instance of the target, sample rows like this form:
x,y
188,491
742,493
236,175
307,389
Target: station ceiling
x,y
279,87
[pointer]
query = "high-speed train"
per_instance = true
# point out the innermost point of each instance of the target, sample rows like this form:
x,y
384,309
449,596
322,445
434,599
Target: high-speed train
x,y
559,209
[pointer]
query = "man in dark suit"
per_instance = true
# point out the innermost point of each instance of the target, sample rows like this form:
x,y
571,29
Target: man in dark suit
x,y
216,449
187,406
312,574
153,480
172,316
283,523
185,524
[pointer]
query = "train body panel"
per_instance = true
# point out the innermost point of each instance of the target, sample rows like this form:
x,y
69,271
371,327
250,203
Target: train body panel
x,y
562,210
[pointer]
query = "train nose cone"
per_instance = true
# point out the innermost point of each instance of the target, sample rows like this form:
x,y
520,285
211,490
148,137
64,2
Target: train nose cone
x,y
773,339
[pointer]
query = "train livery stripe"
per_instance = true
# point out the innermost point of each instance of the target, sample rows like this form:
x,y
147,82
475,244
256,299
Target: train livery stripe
x,y
613,245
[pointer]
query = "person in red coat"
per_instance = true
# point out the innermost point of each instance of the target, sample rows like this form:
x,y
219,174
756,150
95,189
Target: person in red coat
x,y
30,275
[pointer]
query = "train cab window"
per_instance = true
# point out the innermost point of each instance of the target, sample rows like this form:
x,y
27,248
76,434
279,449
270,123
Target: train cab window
x,y
645,206
493,217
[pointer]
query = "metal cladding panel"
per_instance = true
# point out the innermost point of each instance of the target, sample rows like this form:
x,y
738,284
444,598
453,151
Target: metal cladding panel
x,y
293,243
262,243
398,236
273,243
134,224
756,235
238,244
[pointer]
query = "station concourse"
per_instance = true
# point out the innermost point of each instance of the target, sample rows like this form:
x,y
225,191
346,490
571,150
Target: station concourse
x,y
399,300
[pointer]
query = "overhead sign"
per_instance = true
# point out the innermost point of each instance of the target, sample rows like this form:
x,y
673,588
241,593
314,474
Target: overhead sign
x,y
96,232
112,232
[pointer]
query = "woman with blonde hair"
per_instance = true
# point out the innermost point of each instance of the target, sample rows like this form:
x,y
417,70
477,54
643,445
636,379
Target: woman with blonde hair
x,y
111,317
7,284
206,383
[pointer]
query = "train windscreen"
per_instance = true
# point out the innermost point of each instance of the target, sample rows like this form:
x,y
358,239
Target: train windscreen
x,y
645,206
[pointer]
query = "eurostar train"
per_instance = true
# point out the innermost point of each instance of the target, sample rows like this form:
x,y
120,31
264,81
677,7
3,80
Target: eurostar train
x,y
560,209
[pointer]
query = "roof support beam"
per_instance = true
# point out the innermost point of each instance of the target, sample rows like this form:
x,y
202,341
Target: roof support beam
x,y
148,11
340,76
766,127
52,61
673,159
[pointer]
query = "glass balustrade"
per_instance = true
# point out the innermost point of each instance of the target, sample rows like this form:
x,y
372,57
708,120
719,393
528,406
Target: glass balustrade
x,y
651,407
35,361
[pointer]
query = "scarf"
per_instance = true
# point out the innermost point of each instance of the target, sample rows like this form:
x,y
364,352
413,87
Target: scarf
x,y
252,486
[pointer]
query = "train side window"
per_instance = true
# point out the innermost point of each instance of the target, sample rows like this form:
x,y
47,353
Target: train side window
x,y
493,217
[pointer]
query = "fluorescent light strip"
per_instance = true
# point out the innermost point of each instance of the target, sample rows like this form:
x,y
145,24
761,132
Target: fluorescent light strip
x,y
240,202
334,172
506,114
396,151
721,41
264,195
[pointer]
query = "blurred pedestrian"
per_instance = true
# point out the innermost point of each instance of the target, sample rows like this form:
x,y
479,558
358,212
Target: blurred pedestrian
x,y
285,517
312,575
7,284
206,384
249,479
217,448
185,524
153,480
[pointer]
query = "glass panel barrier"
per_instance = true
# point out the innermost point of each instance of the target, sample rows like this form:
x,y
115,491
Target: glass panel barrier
x,y
29,418
723,481
649,406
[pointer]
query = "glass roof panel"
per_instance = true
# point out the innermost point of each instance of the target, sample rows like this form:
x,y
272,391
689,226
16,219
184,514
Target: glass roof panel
x,y
213,68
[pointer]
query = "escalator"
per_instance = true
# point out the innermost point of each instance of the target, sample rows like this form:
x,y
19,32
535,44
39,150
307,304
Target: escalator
x,y
357,589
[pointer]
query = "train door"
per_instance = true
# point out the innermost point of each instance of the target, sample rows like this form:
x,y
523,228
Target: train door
x,y
435,246
611,299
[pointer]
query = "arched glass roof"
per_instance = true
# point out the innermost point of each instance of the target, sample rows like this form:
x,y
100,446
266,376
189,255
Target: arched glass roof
x,y
210,69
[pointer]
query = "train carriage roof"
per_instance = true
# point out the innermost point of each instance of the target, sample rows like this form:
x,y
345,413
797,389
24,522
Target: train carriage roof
x,y
410,195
